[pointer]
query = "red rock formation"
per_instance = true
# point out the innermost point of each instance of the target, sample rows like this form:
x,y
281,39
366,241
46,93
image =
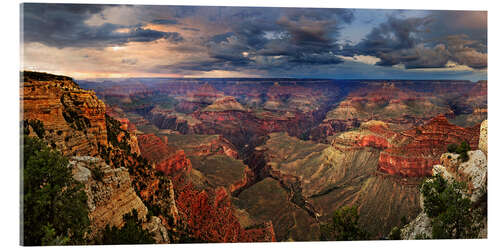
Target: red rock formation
x,y
212,219
73,118
415,151
209,215
166,159
373,141
247,180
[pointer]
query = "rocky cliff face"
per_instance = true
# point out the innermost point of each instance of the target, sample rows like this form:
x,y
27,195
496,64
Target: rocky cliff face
x,y
166,159
203,145
413,152
225,103
74,119
101,151
385,102
483,138
128,126
206,211
109,191
472,172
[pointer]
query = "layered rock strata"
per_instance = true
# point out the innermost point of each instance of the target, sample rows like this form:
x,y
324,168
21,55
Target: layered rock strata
x,y
74,119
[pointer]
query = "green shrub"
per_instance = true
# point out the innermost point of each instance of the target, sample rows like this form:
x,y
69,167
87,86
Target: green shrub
x,y
54,204
130,233
452,148
461,149
452,214
343,226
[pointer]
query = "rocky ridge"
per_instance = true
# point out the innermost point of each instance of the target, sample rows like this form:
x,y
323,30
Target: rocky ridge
x,y
472,172
73,118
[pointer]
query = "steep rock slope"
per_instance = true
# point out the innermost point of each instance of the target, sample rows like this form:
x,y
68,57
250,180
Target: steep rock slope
x,y
414,151
483,138
74,118
109,191
473,172
116,180
206,210
319,178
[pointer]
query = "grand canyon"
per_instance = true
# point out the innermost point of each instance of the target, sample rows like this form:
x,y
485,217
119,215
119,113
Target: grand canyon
x,y
255,159
261,125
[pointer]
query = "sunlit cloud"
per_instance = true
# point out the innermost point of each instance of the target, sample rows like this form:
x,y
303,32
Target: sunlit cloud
x,y
134,41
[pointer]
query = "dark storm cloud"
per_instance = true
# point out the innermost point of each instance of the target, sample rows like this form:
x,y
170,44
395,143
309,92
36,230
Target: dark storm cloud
x,y
269,41
283,38
194,66
190,29
427,42
63,25
165,21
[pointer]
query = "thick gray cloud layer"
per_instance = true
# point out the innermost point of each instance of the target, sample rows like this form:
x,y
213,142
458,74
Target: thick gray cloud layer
x,y
428,42
266,40
63,25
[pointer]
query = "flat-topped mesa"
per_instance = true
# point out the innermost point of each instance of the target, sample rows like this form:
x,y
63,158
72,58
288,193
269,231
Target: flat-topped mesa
x,y
415,151
166,159
73,118
206,93
225,103
374,134
384,102
203,145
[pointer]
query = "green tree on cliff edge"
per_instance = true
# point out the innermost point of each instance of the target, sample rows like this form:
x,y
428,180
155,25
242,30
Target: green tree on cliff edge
x,y
452,213
54,204
343,226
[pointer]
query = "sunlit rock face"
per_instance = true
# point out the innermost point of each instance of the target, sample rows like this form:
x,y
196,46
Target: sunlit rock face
x,y
166,159
282,155
206,210
73,118
413,152
110,194
483,138
472,172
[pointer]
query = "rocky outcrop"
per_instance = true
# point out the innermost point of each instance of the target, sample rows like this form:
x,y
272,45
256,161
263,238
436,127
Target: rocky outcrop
x,y
413,152
109,192
473,172
418,227
165,159
381,101
73,118
203,145
126,125
225,103
158,231
483,138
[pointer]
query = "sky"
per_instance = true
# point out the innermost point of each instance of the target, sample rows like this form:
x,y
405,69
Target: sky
x,y
118,41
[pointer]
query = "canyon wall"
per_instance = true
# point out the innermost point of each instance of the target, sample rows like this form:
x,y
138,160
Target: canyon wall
x,y
74,119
